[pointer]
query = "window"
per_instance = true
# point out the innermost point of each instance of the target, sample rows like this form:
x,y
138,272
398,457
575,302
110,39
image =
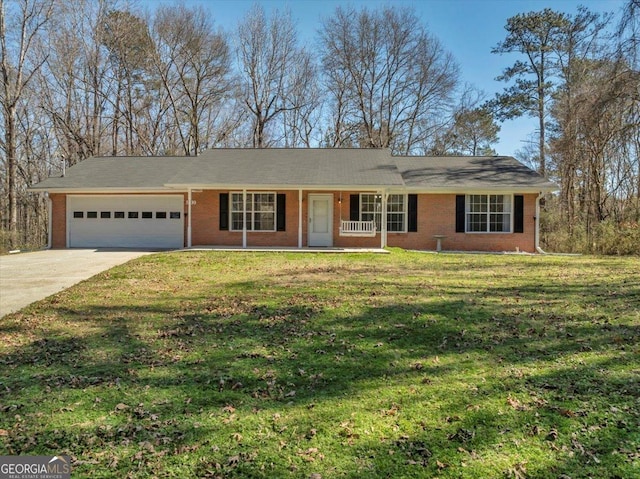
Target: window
x,y
78,214
147,214
118,214
174,215
261,212
396,213
161,214
105,214
488,214
371,210
133,214
92,214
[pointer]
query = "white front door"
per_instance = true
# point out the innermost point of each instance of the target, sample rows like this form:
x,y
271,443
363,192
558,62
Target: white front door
x,y
320,220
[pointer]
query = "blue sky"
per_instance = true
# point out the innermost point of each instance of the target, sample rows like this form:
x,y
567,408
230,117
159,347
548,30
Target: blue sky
x,y
469,29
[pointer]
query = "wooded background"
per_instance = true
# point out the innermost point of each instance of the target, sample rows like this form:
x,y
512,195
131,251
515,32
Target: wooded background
x,y
97,77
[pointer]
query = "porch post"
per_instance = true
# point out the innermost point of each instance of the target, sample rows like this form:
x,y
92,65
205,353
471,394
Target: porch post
x,y
300,218
189,196
383,221
244,218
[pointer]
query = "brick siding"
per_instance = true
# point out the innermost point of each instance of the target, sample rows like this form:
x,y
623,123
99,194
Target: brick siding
x,y
436,216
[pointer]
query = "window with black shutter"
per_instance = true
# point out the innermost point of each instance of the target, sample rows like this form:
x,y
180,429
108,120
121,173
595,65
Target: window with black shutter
x,y
224,211
412,219
281,211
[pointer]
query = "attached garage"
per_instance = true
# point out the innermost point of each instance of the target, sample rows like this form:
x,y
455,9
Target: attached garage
x,y
125,221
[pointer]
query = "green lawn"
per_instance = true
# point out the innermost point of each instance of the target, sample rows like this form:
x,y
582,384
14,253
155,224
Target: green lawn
x,y
214,364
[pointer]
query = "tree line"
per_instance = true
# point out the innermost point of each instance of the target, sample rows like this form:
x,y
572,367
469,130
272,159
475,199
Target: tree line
x,y
100,77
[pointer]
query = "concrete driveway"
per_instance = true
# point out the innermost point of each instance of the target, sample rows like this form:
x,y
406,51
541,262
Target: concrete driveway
x,y
29,277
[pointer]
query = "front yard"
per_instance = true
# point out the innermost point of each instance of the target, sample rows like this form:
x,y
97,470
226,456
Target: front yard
x,y
213,364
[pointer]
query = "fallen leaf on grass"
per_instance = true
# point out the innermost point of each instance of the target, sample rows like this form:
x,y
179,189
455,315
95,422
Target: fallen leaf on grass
x,y
147,445
519,471
392,411
534,430
231,418
515,404
566,412
311,454
462,435
417,451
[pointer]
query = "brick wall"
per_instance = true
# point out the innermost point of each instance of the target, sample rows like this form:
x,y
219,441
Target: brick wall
x,y
58,220
436,216
205,223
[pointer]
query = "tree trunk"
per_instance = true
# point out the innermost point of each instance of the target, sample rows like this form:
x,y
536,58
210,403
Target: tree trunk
x,y
10,123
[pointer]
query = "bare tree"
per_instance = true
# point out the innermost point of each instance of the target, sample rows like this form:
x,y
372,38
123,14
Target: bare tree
x,y
126,37
77,83
628,34
193,64
301,117
390,81
21,60
277,77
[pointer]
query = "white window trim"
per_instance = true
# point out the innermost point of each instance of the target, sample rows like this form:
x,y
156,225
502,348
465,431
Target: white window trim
x,y
405,212
466,213
231,211
405,225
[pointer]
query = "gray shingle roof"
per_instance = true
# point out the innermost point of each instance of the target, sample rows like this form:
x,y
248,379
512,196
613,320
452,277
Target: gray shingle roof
x,y
116,172
281,167
291,167
469,173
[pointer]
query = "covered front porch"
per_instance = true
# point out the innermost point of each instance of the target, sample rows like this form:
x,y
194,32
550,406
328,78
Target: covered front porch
x,y
323,219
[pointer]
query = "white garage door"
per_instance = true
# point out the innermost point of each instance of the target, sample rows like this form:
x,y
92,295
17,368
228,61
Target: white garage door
x,y
125,221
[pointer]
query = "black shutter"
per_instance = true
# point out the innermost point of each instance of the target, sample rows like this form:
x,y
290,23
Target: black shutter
x,y
460,214
354,208
281,205
518,214
412,214
224,211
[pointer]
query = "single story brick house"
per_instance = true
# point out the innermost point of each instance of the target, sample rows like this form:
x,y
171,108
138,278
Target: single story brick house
x,y
297,198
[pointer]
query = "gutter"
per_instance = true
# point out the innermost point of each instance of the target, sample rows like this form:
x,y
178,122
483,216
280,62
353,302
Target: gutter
x,y
537,229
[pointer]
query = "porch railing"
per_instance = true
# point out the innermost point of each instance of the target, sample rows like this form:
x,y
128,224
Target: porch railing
x,y
357,228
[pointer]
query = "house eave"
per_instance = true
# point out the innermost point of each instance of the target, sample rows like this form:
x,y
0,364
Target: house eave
x,y
172,188
479,189
114,190
280,187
